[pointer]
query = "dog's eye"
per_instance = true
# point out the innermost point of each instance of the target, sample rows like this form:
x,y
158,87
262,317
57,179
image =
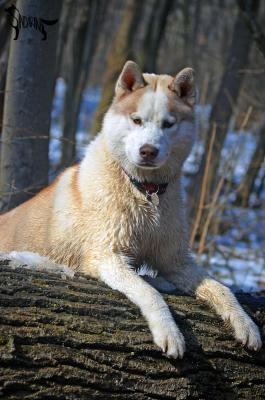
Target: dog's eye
x,y
137,121
167,124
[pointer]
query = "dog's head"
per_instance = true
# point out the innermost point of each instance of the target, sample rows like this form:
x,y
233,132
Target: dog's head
x,y
150,124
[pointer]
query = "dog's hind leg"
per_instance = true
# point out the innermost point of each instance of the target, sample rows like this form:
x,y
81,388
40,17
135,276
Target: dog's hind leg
x,y
193,279
119,276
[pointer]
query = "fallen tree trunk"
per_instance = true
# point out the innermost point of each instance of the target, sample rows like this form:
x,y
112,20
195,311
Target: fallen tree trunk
x,y
77,339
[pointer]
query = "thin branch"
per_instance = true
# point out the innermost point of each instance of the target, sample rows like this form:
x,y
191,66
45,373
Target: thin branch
x,y
204,188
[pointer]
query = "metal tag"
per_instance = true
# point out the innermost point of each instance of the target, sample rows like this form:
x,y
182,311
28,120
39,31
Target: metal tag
x,y
155,199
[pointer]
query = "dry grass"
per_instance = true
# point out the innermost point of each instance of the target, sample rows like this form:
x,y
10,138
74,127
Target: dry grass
x,y
203,190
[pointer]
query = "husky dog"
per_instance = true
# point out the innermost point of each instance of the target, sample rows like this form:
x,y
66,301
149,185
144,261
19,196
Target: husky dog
x,y
122,207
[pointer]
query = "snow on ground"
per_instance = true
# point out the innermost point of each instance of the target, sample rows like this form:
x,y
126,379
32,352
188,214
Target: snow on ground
x,y
29,260
237,256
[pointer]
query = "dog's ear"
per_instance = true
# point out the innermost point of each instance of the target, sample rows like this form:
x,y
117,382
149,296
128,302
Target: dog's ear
x,y
184,85
130,79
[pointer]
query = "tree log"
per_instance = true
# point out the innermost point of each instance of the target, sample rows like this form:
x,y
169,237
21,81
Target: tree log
x,y
28,103
78,339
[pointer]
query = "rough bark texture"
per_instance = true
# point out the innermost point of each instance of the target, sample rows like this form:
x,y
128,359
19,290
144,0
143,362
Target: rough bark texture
x,y
27,109
77,339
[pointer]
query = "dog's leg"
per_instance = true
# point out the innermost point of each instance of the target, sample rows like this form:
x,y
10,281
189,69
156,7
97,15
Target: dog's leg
x,y
119,276
194,280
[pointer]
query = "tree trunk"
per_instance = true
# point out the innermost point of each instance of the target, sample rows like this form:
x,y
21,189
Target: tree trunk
x,y
83,41
155,31
78,339
4,48
195,32
247,186
120,51
224,104
187,44
253,25
65,25
27,109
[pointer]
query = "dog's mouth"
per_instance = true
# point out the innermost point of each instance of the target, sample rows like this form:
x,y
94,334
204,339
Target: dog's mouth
x,y
147,165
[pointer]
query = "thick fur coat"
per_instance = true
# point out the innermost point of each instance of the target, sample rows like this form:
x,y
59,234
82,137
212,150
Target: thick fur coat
x,y
95,220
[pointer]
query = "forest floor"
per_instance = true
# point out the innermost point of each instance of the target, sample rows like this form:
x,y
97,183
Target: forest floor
x,y
236,253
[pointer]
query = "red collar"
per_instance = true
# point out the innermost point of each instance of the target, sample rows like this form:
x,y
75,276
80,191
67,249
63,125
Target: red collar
x,y
148,188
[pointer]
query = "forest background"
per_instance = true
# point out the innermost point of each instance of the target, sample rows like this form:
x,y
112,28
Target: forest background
x,y
54,92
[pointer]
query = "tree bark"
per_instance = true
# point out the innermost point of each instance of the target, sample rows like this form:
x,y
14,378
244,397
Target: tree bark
x,y
65,27
195,31
186,31
78,339
120,51
4,48
82,43
27,109
155,31
252,24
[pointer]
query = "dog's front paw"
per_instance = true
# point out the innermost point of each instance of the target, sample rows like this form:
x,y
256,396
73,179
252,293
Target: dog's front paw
x,y
246,332
169,338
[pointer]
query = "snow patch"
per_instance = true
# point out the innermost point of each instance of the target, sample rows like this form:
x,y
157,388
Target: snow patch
x,y
34,261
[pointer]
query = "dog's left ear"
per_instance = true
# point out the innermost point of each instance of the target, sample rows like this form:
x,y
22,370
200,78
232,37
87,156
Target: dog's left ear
x,y
184,85
130,79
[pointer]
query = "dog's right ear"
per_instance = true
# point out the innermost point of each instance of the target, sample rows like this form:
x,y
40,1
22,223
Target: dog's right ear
x,y
130,79
184,86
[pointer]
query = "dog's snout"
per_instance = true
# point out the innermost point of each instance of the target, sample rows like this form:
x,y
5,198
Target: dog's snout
x,y
148,152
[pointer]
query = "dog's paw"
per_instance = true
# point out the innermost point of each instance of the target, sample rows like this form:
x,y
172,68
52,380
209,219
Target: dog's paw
x,y
246,332
169,338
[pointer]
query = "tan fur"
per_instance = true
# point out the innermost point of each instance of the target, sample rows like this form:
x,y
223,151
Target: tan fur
x,y
128,104
93,219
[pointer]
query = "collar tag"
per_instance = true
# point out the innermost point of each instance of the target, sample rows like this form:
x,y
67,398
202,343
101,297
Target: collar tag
x,y
154,199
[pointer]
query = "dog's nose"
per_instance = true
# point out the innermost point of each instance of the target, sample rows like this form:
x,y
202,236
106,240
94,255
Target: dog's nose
x,y
148,152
